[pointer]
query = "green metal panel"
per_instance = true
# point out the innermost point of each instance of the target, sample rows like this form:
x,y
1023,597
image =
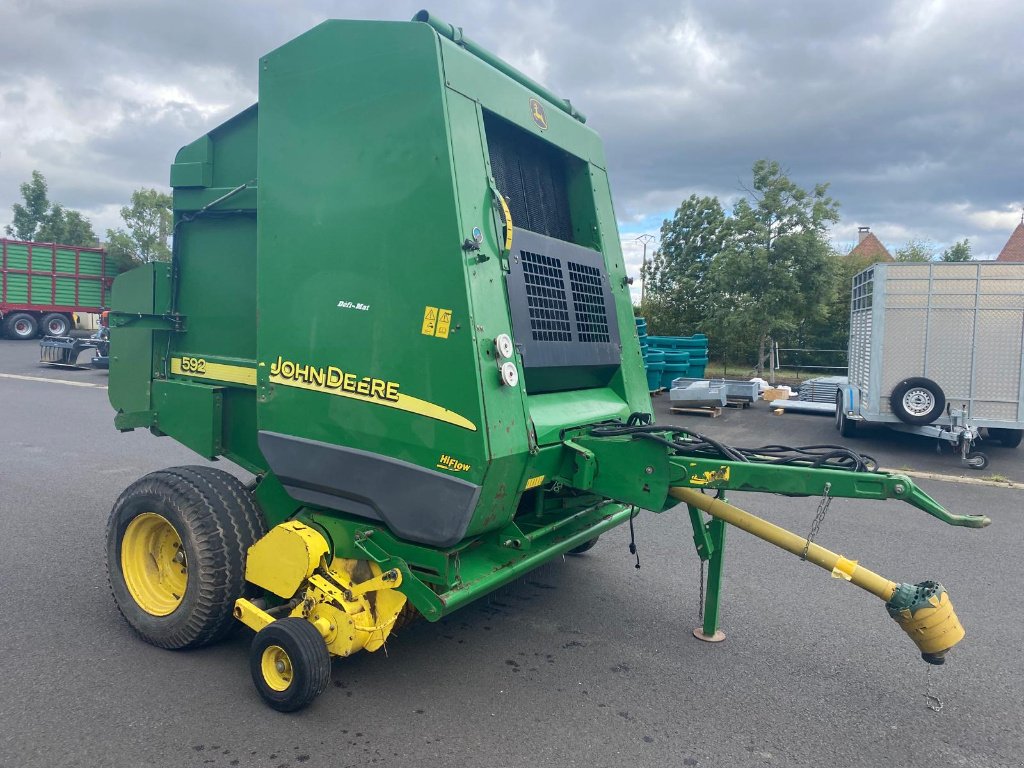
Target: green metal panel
x,y
190,413
358,207
132,345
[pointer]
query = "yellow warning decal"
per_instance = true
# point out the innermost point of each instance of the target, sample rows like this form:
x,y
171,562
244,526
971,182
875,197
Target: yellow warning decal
x,y
201,368
535,482
712,476
335,381
436,322
444,322
429,321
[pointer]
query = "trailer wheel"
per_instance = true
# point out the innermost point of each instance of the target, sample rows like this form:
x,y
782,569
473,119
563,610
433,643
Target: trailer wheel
x,y
917,400
176,546
20,325
846,427
56,324
1010,438
290,664
976,460
584,547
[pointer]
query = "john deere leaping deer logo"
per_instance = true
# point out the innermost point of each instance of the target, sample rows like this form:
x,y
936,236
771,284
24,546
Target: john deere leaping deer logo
x,y
537,111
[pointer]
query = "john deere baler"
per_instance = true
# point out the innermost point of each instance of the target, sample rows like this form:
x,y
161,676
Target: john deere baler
x,y
397,297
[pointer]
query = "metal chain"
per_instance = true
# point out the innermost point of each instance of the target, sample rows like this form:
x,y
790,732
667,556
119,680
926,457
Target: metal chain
x,y
700,593
819,518
935,704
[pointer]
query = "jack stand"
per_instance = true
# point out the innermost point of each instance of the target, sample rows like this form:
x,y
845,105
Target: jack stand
x,y
710,540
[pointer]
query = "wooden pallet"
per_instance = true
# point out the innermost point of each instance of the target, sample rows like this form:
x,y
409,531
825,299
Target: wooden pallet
x,y
713,412
737,403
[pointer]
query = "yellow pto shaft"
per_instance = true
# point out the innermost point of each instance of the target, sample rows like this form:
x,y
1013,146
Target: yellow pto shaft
x,y
923,610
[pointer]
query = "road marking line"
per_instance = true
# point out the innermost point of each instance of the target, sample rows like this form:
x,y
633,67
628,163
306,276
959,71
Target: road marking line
x,y
52,381
953,478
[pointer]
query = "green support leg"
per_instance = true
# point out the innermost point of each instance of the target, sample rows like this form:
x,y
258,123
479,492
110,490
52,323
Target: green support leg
x,y
710,632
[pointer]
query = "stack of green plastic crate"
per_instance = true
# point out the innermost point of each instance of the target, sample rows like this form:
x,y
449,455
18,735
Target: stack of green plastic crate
x,y
684,356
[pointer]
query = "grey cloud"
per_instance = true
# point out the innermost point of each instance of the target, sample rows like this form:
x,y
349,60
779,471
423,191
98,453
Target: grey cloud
x,y
910,109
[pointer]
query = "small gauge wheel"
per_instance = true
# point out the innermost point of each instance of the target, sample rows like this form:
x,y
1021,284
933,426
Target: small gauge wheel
x,y
976,460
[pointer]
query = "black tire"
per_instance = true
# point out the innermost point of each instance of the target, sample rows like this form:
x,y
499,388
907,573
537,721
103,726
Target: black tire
x,y
297,658
584,547
976,460
215,521
846,427
21,326
55,324
917,400
406,618
1009,438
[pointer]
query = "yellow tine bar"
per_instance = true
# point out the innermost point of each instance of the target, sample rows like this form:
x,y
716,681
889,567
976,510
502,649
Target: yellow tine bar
x,y
780,537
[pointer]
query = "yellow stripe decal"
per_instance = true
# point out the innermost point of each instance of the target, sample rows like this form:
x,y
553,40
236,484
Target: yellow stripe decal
x,y
403,403
200,368
508,222
535,482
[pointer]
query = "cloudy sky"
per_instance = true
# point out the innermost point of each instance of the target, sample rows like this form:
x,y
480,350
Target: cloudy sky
x,y
913,111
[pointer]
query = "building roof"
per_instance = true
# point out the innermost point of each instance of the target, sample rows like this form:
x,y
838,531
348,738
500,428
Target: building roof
x,y
870,247
1014,248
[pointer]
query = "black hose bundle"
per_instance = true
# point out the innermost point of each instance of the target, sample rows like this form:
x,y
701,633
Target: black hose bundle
x,y
685,442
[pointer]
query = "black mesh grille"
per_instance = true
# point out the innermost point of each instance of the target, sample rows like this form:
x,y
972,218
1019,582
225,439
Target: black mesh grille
x,y
531,175
588,303
545,297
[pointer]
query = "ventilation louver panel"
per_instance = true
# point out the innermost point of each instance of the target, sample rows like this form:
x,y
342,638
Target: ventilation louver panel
x,y
545,296
562,309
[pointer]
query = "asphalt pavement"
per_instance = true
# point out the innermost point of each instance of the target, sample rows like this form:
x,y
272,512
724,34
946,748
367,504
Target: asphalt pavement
x,y
584,662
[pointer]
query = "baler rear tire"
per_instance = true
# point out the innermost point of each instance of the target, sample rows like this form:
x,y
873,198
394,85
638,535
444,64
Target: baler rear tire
x,y
584,547
215,521
290,664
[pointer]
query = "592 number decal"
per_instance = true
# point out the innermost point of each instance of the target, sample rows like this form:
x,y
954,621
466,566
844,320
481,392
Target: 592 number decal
x,y
193,365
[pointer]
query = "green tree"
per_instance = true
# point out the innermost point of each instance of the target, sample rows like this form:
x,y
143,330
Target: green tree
x,y
773,278
678,290
959,251
39,219
29,217
66,226
915,250
147,231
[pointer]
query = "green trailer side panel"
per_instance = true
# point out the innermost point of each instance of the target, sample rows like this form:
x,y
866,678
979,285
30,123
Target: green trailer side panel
x,y
17,256
42,289
17,289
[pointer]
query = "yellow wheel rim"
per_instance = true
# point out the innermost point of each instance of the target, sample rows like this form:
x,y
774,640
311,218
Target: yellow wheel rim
x,y
277,667
154,565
